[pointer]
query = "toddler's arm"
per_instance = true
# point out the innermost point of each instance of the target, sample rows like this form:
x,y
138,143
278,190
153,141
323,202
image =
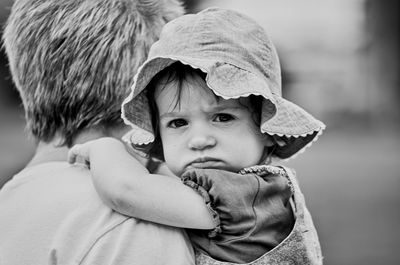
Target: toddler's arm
x,y
126,186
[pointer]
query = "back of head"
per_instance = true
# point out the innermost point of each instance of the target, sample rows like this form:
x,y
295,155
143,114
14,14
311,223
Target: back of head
x,y
73,61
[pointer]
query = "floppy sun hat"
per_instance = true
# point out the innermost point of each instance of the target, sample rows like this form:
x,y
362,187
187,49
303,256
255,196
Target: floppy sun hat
x,y
239,59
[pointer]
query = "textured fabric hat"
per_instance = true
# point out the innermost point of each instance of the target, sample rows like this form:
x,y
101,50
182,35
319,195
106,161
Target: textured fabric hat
x,y
239,59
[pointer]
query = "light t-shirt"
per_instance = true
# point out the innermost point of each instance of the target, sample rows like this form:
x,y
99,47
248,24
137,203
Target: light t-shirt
x,y
51,214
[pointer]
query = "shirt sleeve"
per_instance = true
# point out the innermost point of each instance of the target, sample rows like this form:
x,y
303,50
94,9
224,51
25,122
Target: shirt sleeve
x,y
253,212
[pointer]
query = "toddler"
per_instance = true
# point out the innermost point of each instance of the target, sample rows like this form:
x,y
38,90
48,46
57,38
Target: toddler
x,y
208,103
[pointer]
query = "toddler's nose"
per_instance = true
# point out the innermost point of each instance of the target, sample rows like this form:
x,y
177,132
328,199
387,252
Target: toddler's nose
x,y
201,142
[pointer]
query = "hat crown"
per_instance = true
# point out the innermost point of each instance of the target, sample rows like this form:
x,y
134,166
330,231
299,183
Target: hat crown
x,y
223,36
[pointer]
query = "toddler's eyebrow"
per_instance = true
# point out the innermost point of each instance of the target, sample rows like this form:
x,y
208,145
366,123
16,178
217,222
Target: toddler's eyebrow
x,y
225,108
170,114
211,110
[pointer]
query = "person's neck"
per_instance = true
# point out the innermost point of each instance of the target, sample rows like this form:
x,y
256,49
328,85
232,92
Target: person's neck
x,y
52,151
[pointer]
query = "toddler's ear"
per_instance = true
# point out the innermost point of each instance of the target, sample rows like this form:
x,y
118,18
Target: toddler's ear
x,y
268,140
275,140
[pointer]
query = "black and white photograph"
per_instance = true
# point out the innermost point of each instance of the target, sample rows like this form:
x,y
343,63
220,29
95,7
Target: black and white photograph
x,y
199,132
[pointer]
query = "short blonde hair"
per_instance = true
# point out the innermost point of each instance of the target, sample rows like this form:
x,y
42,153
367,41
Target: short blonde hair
x,y
73,61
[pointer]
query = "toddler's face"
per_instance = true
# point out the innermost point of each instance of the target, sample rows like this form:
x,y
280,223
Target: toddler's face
x,y
200,131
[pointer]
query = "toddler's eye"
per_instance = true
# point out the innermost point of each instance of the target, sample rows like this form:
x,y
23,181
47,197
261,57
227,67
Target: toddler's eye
x,y
223,117
177,123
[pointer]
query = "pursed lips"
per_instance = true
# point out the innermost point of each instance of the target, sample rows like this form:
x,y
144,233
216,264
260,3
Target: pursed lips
x,y
205,162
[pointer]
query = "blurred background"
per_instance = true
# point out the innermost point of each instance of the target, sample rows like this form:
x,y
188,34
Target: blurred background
x,y
340,62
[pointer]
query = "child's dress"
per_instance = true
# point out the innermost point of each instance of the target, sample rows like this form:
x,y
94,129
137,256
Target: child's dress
x,y
253,211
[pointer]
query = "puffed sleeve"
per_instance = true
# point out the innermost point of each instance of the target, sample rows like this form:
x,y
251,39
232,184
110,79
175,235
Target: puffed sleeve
x,y
253,212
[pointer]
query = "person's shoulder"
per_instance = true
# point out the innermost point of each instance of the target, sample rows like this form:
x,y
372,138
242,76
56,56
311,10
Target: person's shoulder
x,y
54,175
93,233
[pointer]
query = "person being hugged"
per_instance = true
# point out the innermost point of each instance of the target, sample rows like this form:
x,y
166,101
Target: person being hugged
x,y
208,103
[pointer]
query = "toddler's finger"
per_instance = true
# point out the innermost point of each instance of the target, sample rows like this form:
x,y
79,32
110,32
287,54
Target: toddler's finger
x,y
73,153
